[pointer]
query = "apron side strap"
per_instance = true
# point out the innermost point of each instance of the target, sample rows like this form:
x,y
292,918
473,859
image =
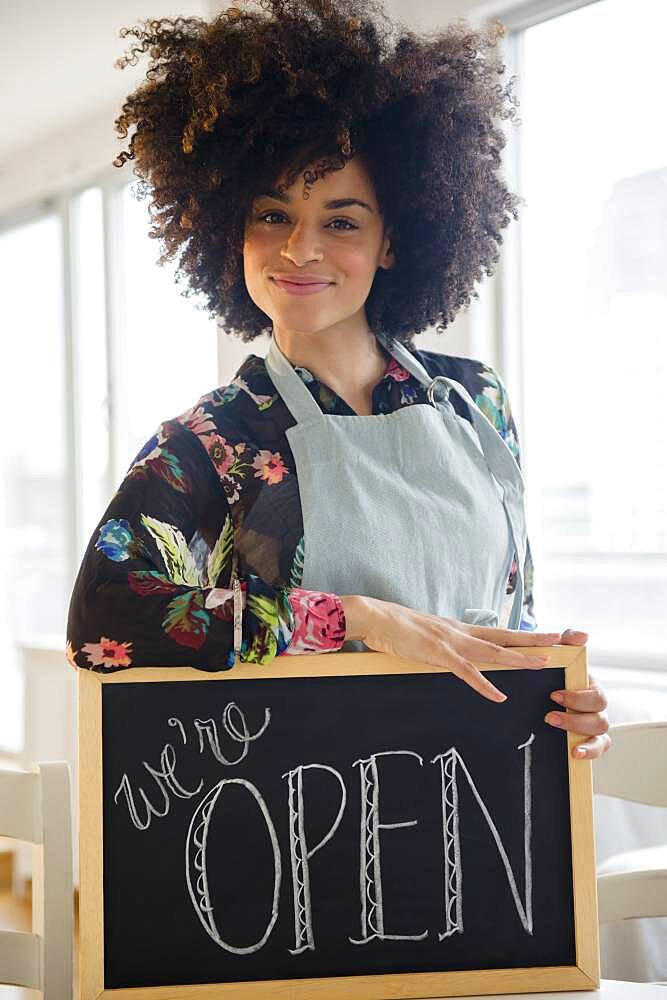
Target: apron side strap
x,y
500,459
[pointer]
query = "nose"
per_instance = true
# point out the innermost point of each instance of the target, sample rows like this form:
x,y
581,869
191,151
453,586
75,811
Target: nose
x,y
302,246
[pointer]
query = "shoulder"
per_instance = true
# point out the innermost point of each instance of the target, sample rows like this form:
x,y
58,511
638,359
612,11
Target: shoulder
x,y
478,377
230,433
231,409
182,445
484,384
471,372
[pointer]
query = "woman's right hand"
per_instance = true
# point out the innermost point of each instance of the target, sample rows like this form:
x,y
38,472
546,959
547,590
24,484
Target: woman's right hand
x,y
386,627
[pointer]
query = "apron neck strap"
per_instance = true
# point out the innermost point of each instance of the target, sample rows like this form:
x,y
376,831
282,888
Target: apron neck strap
x,y
298,398
408,361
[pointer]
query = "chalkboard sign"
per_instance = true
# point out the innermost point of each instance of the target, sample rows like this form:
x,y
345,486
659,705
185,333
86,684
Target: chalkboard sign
x,y
349,824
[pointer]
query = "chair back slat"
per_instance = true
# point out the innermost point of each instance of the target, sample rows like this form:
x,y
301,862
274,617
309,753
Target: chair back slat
x,y
633,885
36,806
632,895
20,812
634,769
20,959
55,893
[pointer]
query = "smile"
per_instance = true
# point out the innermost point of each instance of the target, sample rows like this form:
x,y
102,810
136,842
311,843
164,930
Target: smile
x,y
295,288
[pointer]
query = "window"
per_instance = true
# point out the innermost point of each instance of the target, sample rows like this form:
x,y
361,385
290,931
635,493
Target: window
x,y
33,441
166,341
99,346
591,159
32,498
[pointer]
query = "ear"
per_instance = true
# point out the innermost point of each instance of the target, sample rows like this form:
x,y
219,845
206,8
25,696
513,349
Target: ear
x,y
387,257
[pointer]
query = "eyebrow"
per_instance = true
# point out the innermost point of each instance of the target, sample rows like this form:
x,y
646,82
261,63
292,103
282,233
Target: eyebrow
x,y
336,203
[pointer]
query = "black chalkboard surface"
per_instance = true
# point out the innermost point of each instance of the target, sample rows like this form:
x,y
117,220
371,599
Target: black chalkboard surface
x,y
368,824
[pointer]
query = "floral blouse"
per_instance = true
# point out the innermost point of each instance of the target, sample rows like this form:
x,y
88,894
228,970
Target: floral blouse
x,y
213,496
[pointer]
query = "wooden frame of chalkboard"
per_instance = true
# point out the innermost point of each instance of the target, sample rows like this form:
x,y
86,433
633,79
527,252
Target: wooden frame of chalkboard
x,y
581,974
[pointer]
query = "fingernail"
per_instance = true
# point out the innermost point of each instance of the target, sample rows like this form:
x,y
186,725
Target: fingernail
x,y
554,718
580,751
557,696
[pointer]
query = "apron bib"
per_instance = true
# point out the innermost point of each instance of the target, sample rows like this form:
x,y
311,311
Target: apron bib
x,y
414,506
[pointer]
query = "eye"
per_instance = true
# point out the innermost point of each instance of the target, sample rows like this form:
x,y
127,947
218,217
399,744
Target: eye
x,y
347,223
263,217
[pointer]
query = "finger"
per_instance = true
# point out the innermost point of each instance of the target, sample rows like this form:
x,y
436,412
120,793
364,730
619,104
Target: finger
x,y
574,637
469,673
593,747
590,699
490,652
582,723
510,636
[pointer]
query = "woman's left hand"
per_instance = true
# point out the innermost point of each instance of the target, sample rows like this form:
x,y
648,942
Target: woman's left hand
x,y
586,713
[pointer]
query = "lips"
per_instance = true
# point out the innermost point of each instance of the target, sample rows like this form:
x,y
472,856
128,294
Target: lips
x,y
301,279
301,287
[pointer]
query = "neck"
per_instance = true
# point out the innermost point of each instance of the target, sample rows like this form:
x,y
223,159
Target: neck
x,y
349,363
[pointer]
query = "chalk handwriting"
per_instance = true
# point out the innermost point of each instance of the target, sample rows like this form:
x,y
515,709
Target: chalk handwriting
x,y
370,869
209,727
452,847
195,855
165,779
300,853
142,807
177,722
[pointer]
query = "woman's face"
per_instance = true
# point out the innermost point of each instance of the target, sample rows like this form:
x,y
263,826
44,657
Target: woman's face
x,y
336,235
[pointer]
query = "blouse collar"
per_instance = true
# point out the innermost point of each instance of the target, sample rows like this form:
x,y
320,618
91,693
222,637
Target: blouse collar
x,y
393,370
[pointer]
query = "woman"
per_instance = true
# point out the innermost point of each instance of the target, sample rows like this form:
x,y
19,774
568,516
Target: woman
x,y
348,491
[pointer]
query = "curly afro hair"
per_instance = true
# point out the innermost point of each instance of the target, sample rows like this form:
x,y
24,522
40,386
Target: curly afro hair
x,y
231,104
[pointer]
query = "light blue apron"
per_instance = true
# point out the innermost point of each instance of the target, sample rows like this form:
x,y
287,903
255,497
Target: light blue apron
x,y
414,506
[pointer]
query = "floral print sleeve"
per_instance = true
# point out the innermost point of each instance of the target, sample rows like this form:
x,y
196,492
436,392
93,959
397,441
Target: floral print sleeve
x,y
494,402
154,586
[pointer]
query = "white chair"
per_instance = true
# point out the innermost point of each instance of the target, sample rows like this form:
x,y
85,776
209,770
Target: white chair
x,y
633,884
36,806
